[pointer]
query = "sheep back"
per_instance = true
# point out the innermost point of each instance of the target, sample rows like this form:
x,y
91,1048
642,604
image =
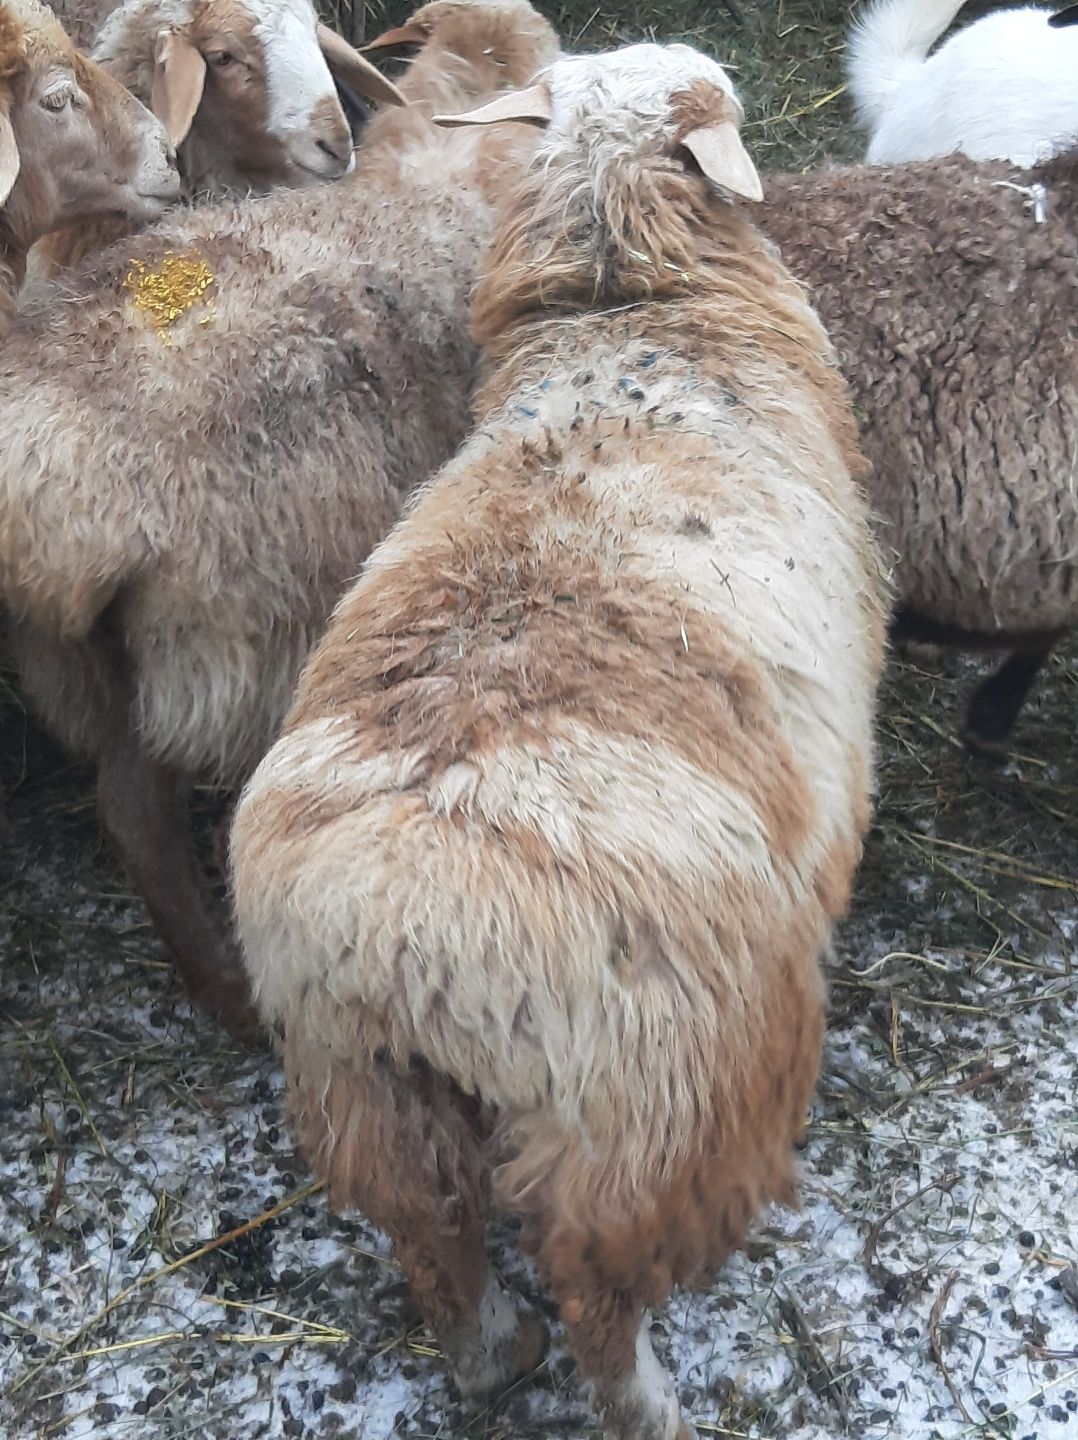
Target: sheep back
x,y
575,783
212,479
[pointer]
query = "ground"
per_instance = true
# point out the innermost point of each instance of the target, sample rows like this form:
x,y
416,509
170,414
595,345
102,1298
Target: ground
x,y
167,1268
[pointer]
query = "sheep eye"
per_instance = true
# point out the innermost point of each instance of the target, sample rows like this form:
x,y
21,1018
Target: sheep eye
x,y
222,60
56,99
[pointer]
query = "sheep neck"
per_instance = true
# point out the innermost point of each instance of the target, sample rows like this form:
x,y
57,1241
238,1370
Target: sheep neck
x,y
677,266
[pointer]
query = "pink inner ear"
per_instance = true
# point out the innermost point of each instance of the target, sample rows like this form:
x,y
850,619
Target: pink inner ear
x,y
531,105
10,163
349,65
718,151
179,76
400,35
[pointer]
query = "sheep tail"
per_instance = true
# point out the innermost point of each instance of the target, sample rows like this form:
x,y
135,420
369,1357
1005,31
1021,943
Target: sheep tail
x,y
890,40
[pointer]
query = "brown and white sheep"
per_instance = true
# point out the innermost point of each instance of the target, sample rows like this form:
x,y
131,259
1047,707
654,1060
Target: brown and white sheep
x,y
246,91
74,144
170,550
575,784
953,304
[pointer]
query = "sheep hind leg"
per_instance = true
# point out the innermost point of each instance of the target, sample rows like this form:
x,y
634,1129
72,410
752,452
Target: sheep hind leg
x,y
996,702
608,1330
142,806
403,1147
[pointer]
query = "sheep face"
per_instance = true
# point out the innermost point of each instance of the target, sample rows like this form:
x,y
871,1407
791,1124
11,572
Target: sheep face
x,y
468,48
246,88
456,24
74,143
639,102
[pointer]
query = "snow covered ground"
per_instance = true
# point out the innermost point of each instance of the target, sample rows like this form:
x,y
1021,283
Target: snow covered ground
x,y
926,1289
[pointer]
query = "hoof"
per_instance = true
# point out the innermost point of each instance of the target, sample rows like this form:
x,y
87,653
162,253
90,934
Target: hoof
x,y
984,750
617,1428
507,1347
227,999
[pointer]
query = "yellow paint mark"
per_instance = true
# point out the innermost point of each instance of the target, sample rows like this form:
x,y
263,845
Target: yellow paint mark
x,y
170,290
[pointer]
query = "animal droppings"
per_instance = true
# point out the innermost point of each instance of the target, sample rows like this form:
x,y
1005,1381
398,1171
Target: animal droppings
x,y
163,294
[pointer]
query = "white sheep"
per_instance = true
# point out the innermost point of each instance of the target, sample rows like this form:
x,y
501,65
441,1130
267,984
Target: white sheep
x,y
1002,88
73,144
171,547
246,91
573,788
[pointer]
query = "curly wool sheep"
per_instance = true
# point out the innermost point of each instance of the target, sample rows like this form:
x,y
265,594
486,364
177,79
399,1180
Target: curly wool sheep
x,y
246,91
1002,88
73,143
950,290
574,786
170,549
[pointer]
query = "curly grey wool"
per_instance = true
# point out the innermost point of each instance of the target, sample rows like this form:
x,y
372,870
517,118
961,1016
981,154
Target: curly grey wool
x,y
950,290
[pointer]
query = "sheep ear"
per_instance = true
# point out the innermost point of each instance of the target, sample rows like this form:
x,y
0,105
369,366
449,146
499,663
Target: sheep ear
x,y
718,151
1068,16
407,34
532,105
179,74
349,65
9,158
356,111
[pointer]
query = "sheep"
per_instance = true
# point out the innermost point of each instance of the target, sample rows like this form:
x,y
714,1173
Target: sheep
x,y
246,90
73,143
169,551
572,790
953,313
82,18
1003,88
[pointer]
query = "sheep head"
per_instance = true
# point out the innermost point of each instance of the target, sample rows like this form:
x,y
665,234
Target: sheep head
x,y
74,144
639,153
469,48
644,98
245,87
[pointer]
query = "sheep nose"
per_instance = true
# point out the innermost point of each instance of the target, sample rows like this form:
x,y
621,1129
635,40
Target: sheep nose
x,y
340,152
323,146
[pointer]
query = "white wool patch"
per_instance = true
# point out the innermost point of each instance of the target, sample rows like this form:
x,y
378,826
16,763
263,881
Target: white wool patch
x,y
637,78
297,76
647,1394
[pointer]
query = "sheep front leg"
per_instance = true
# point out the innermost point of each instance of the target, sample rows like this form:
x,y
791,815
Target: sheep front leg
x,y
143,810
